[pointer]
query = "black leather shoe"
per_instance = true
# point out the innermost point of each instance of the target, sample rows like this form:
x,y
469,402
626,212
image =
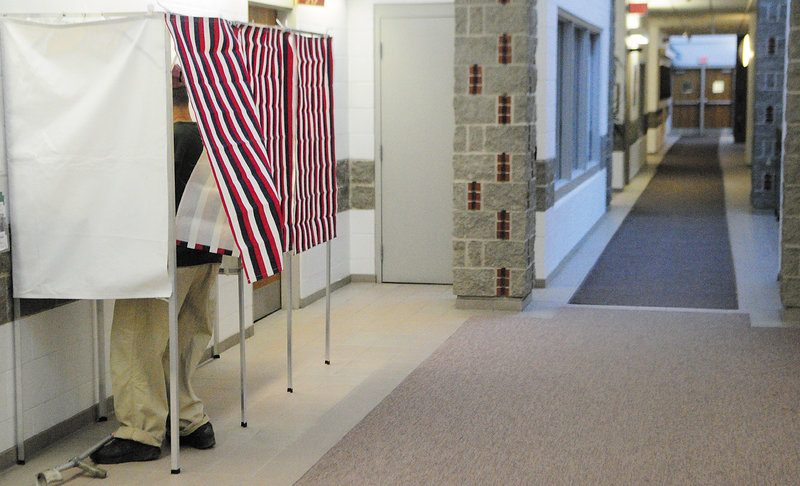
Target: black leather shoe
x,y
125,450
202,438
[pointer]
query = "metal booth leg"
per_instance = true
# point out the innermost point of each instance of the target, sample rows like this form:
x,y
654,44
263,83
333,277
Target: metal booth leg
x,y
174,358
288,267
19,407
328,302
215,345
100,333
242,361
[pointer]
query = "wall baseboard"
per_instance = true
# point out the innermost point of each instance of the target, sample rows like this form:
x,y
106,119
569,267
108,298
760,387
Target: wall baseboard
x,y
305,301
226,344
493,303
36,444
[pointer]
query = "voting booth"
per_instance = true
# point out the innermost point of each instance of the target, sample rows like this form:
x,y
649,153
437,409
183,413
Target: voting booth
x,y
87,132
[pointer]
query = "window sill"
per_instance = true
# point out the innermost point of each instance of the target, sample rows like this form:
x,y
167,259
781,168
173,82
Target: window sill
x,y
564,186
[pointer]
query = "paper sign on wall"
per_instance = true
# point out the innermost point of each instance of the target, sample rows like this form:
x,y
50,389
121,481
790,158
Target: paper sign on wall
x,y
4,246
718,86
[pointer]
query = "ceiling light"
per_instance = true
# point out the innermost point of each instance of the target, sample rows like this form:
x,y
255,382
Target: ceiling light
x,y
747,50
633,21
634,41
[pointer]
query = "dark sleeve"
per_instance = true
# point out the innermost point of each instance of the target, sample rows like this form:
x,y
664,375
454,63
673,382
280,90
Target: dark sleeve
x,y
188,147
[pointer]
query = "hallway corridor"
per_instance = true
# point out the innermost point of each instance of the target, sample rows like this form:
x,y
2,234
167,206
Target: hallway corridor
x,y
382,333
673,249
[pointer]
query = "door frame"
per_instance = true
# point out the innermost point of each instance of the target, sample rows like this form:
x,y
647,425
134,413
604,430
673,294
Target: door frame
x,y
383,11
703,101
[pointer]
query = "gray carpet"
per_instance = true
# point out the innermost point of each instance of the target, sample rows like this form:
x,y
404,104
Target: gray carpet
x,y
590,397
672,250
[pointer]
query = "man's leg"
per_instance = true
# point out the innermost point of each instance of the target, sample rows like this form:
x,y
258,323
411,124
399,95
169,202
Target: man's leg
x,y
138,341
195,322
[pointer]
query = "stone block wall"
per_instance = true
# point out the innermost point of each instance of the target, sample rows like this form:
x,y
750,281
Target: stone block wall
x,y
494,189
355,184
6,303
790,220
769,63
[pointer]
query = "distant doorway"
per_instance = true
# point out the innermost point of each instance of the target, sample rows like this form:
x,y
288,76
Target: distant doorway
x,y
702,99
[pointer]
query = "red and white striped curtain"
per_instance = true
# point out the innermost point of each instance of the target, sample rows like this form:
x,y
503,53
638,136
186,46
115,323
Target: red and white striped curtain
x,y
292,81
314,203
217,80
267,54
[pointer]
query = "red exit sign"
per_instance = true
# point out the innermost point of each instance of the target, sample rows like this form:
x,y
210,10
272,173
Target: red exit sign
x,y
316,3
637,8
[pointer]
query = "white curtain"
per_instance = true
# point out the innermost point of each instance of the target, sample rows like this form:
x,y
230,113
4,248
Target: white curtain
x,y
87,135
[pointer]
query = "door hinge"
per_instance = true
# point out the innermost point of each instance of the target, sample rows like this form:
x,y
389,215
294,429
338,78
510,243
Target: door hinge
x,y
380,48
381,153
381,252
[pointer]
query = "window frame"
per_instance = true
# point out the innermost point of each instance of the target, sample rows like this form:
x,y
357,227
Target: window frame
x,y
577,98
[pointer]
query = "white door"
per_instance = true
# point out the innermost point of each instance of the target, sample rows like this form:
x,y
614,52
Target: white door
x,y
415,135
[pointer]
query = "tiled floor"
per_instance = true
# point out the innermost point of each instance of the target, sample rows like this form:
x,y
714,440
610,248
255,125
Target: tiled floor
x,y
381,332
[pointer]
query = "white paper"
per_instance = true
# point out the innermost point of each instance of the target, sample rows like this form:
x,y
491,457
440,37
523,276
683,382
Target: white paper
x,y
201,219
87,138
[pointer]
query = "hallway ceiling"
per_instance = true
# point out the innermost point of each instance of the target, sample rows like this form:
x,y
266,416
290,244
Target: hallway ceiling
x,y
702,16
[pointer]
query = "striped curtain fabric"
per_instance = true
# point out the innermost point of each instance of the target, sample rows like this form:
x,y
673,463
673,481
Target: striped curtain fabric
x,y
313,209
267,55
291,78
217,81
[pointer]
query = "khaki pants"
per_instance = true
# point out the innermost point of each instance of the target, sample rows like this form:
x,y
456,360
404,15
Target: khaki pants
x,y
140,356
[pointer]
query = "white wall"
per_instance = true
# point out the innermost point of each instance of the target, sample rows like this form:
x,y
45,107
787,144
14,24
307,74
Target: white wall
x,y
332,19
564,225
312,262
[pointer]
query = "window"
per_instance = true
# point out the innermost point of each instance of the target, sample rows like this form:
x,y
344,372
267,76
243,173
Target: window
x,y
577,104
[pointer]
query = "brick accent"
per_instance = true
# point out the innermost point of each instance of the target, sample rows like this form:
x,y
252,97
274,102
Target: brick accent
x,y
503,282
504,49
503,225
504,109
474,196
475,79
503,168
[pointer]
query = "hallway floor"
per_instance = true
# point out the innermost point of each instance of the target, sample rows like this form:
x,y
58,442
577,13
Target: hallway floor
x,y
381,332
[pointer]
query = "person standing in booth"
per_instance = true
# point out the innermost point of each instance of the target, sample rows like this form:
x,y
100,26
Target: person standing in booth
x,y
140,333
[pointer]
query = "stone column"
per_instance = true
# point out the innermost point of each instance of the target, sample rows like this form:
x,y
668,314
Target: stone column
x,y
769,64
790,220
493,188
